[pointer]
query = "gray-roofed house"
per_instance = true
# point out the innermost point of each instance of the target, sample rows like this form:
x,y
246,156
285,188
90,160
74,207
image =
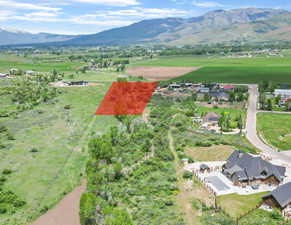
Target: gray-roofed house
x,y
244,169
220,96
211,117
280,198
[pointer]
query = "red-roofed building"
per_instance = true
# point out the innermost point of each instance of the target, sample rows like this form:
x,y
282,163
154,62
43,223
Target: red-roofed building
x,y
228,87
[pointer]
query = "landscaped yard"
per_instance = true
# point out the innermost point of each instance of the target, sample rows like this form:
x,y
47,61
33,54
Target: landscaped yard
x,y
213,153
275,129
236,205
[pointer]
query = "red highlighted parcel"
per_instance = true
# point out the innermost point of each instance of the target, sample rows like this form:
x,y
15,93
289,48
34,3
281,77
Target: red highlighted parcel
x,y
126,98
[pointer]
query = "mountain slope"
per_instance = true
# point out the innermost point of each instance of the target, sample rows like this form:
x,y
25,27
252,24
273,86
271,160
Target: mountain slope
x,y
250,24
220,26
9,37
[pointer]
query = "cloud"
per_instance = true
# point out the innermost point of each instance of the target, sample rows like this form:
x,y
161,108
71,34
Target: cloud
x,y
118,3
207,4
28,6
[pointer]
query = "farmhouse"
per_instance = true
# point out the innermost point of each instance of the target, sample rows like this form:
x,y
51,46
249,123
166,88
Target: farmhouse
x,y
211,117
280,198
244,169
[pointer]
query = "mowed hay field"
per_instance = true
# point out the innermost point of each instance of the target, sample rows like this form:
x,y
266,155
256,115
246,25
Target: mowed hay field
x,y
160,73
227,70
275,129
60,137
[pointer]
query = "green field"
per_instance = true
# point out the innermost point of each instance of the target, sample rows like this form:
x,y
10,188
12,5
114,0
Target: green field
x,y
236,205
275,129
215,61
60,136
8,61
228,70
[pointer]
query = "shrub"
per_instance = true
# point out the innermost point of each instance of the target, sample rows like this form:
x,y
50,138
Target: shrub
x,y
34,150
87,209
6,171
187,175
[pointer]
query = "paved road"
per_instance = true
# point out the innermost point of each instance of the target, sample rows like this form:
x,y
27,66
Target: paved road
x,y
276,112
251,128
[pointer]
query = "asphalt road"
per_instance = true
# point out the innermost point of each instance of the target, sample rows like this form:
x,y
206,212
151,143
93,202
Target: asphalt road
x,y
251,129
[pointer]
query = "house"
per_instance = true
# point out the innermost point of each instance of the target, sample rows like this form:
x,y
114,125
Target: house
x,y
29,72
244,169
211,117
3,75
204,90
284,93
75,83
174,86
280,198
228,87
14,71
220,96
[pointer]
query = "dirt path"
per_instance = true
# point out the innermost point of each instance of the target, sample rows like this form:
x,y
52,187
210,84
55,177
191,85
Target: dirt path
x,y
66,212
184,197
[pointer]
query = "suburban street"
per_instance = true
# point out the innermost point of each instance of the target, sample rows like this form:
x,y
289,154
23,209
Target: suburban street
x,y
251,129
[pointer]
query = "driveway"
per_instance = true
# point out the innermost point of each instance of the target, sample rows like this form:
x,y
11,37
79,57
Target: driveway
x,y
251,128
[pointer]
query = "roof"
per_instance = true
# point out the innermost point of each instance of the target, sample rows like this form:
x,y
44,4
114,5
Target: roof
x,y
212,116
248,167
282,194
228,87
204,167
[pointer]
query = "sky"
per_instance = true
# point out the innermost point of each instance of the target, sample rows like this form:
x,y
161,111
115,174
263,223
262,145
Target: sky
x,y
92,16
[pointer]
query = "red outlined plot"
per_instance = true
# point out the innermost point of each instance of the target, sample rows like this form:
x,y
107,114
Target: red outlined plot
x,y
126,98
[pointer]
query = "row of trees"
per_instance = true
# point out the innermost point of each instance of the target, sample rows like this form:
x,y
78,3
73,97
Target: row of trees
x,y
29,91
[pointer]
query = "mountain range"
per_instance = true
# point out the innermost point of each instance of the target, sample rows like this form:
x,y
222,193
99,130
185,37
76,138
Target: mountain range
x,y
220,26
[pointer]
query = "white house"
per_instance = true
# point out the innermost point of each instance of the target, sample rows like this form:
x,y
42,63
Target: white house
x,y
284,93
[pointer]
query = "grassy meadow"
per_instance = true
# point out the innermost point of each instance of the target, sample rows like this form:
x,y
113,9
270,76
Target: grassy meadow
x,y
10,61
48,155
275,129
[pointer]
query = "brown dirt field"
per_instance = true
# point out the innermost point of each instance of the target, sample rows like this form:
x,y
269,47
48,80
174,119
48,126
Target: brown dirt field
x,y
160,73
66,212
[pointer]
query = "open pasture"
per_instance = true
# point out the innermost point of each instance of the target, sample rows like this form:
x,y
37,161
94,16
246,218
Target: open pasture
x,y
275,129
48,154
226,70
8,61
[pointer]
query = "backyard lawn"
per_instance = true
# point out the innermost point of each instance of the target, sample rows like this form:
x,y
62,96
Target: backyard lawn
x,y
236,205
275,129
213,153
